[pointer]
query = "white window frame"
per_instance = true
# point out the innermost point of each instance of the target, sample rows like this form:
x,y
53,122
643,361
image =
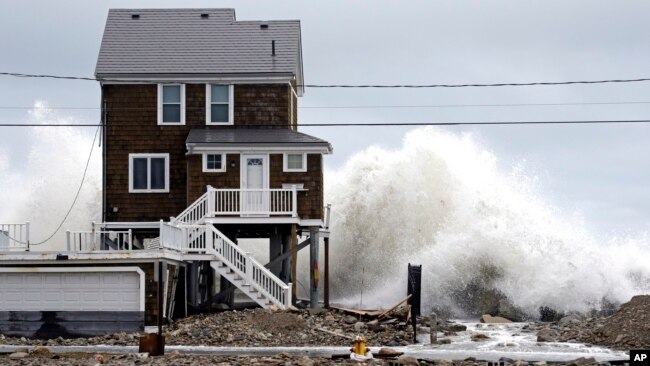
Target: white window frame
x,y
208,105
160,106
149,156
285,162
205,163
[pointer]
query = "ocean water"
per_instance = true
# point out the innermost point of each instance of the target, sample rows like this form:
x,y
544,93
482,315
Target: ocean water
x,y
441,201
40,187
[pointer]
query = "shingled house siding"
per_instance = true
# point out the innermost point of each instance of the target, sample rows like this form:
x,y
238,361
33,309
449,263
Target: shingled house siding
x,y
198,180
262,105
310,202
132,128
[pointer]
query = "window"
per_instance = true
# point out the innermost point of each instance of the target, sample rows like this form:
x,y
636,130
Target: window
x,y
171,104
148,173
214,163
295,162
218,104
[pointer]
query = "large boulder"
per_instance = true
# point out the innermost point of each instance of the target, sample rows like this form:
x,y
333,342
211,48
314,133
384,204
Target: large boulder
x,y
486,318
547,335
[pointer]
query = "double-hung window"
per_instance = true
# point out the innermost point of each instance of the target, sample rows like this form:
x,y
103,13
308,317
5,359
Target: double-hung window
x,y
295,162
214,163
218,104
148,173
171,104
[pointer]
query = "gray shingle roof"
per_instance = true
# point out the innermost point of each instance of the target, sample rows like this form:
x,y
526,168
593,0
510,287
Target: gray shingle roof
x,y
254,136
180,41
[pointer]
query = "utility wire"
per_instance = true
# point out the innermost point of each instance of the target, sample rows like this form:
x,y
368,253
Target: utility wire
x,y
76,197
392,86
379,124
358,106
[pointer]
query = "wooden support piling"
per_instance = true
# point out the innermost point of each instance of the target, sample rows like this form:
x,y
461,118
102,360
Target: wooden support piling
x,y
294,262
326,289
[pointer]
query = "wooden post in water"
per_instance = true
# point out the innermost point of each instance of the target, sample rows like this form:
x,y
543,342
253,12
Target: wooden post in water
x,y
433,325
294,260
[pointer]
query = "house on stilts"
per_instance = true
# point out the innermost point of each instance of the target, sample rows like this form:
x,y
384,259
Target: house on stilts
x,y
200,150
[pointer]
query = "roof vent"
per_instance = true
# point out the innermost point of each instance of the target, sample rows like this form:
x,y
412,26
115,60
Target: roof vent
x,y
264,26
135,16
205,15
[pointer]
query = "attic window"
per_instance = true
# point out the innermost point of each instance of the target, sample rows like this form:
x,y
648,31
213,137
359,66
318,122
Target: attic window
x,y
264,26
135,16
205,15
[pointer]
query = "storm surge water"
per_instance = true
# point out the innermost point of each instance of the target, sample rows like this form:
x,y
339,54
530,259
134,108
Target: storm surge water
x,y
441,201
39,183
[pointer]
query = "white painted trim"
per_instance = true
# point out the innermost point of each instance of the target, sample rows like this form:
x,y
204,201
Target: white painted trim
x,y
252,220
155,155
312,222
285,163
205,163
208,105
238,149
160,106
136,256
243,179
81,270
130,225
198,80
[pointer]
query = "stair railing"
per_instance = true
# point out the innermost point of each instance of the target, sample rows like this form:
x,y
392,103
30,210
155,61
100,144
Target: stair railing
x,y
245,266
197,211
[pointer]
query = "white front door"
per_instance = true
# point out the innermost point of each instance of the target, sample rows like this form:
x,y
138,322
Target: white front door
x,y
255,184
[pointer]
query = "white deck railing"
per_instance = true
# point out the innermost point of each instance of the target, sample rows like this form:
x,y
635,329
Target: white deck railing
x,y
241,202
14,236
254,202
246,267
85,241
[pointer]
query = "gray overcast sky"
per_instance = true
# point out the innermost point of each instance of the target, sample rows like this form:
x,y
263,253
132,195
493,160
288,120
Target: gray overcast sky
x,y
601,171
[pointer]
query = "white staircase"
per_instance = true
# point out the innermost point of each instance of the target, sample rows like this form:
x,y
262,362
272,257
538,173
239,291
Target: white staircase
x,y
188,233
247,274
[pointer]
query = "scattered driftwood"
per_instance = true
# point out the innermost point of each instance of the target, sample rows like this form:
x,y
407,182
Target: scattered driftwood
x,y
379,314
385,314
334,333
368,313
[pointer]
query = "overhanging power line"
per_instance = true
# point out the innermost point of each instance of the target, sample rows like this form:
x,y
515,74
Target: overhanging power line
x,y
379,86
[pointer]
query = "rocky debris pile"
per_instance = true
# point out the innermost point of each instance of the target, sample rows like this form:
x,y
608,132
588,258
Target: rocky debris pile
x,y
258,327
628,328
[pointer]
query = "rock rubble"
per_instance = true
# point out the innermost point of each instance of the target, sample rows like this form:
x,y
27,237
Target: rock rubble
x,y
628,328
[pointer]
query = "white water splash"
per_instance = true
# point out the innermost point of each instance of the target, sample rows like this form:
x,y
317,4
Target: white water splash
x,y
440,201
40,187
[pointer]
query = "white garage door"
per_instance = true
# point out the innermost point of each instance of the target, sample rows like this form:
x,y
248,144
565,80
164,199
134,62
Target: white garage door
x,y
91,290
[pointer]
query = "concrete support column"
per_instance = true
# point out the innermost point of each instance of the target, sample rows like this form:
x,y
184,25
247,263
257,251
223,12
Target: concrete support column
x,y
313,266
